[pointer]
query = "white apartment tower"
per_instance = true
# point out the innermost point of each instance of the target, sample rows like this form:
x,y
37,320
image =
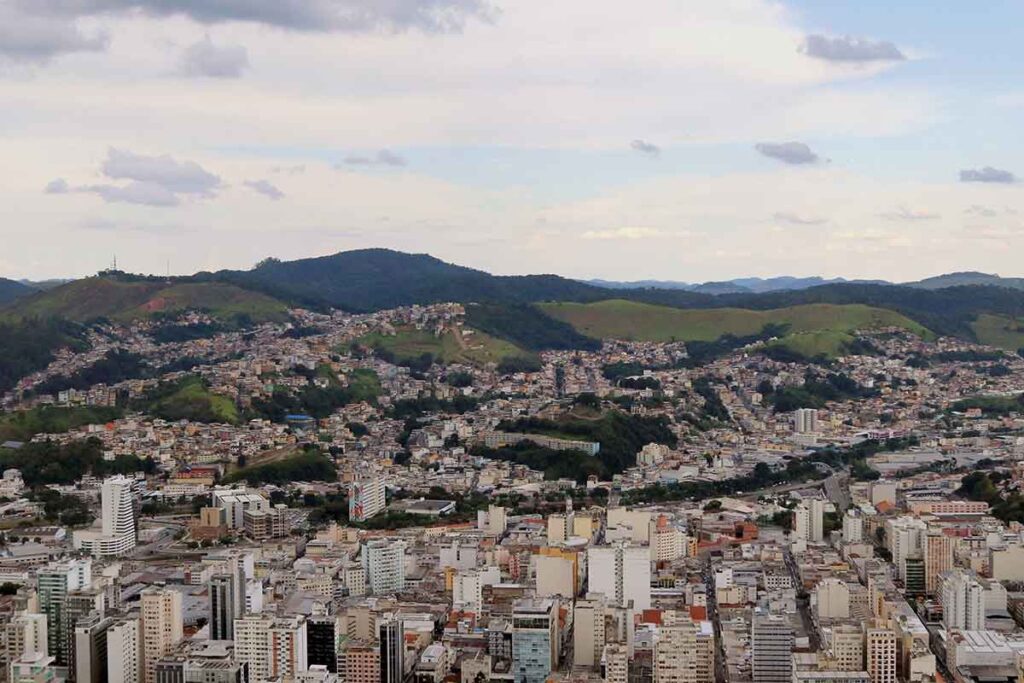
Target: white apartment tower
x,y
880,654
622,573
853,527
384,562
124,651
963,602
809,520
805,421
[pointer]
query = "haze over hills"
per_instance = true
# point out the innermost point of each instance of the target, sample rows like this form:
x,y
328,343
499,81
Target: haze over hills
x,y
11,290
747,285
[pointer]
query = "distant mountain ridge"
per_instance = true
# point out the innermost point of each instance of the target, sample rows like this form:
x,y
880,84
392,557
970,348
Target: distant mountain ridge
x,y
10,290
745,285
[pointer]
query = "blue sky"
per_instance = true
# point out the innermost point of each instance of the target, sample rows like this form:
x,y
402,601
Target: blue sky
x,y
676,139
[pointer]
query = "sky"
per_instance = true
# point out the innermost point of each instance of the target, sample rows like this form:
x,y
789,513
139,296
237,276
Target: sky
x,y
658,139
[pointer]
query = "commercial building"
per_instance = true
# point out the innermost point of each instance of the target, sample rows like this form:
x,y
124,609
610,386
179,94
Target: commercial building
x,y
880,654
535,640
809,520
227,602
391,638
622,573
55,582
124,651
771,642
235,502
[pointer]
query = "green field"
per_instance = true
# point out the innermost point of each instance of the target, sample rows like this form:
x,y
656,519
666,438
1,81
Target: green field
x,y
190,399
633,321
100,297
470,347
828,343
999,331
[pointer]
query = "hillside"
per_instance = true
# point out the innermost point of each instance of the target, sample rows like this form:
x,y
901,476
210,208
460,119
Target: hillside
x,y
11,290
468,347
376,279
967,278
119,299
619,319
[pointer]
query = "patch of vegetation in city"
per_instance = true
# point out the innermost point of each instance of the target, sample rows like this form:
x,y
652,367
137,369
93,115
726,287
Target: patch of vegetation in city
x,y
621,435
529,327
118,365
991,406
188,399
815,392
419,349
318,401
309,465
50,463
22,425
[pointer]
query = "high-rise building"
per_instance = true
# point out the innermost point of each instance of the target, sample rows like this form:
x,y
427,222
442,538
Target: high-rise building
x,y
322,639
805,421
124,651
905,538
675,654
588,639
252,644
833,599
668,542
621,573
534,640
78,606
938,558
880,654
25,634
362,663
288,654
853,526
615,663
120,514
771,641
366,498
235,502
161,627
384,562
493,520
963,601
227,603
55,582
391,638
91,648
847,646
809,520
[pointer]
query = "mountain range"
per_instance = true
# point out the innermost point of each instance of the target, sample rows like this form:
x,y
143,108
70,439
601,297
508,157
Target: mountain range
x,y
958,304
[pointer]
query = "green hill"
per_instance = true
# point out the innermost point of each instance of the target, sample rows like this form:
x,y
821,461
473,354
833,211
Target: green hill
x,y
11,290
123,300
630,320
1000,331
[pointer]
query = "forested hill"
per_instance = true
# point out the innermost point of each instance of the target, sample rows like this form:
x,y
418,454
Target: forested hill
x,y
375,279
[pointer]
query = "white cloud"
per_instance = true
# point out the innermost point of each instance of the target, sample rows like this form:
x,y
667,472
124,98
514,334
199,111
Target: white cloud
x,y
625,233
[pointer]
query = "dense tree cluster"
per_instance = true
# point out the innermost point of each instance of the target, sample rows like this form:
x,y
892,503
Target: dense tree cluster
x,y
28,345
310,465
50,463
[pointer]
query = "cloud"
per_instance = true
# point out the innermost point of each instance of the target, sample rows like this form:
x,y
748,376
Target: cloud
x,y
986,175
847,49
265,188
145,193
645,147
797,219
382,158
152,180
300,15
290,170
58,186
788,152
34,39
186,177
902,213
626,233
206,60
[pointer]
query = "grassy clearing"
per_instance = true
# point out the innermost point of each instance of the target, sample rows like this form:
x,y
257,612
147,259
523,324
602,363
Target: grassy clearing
x,y
191,400
469,347
99,297
629,320
999,331
828,343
